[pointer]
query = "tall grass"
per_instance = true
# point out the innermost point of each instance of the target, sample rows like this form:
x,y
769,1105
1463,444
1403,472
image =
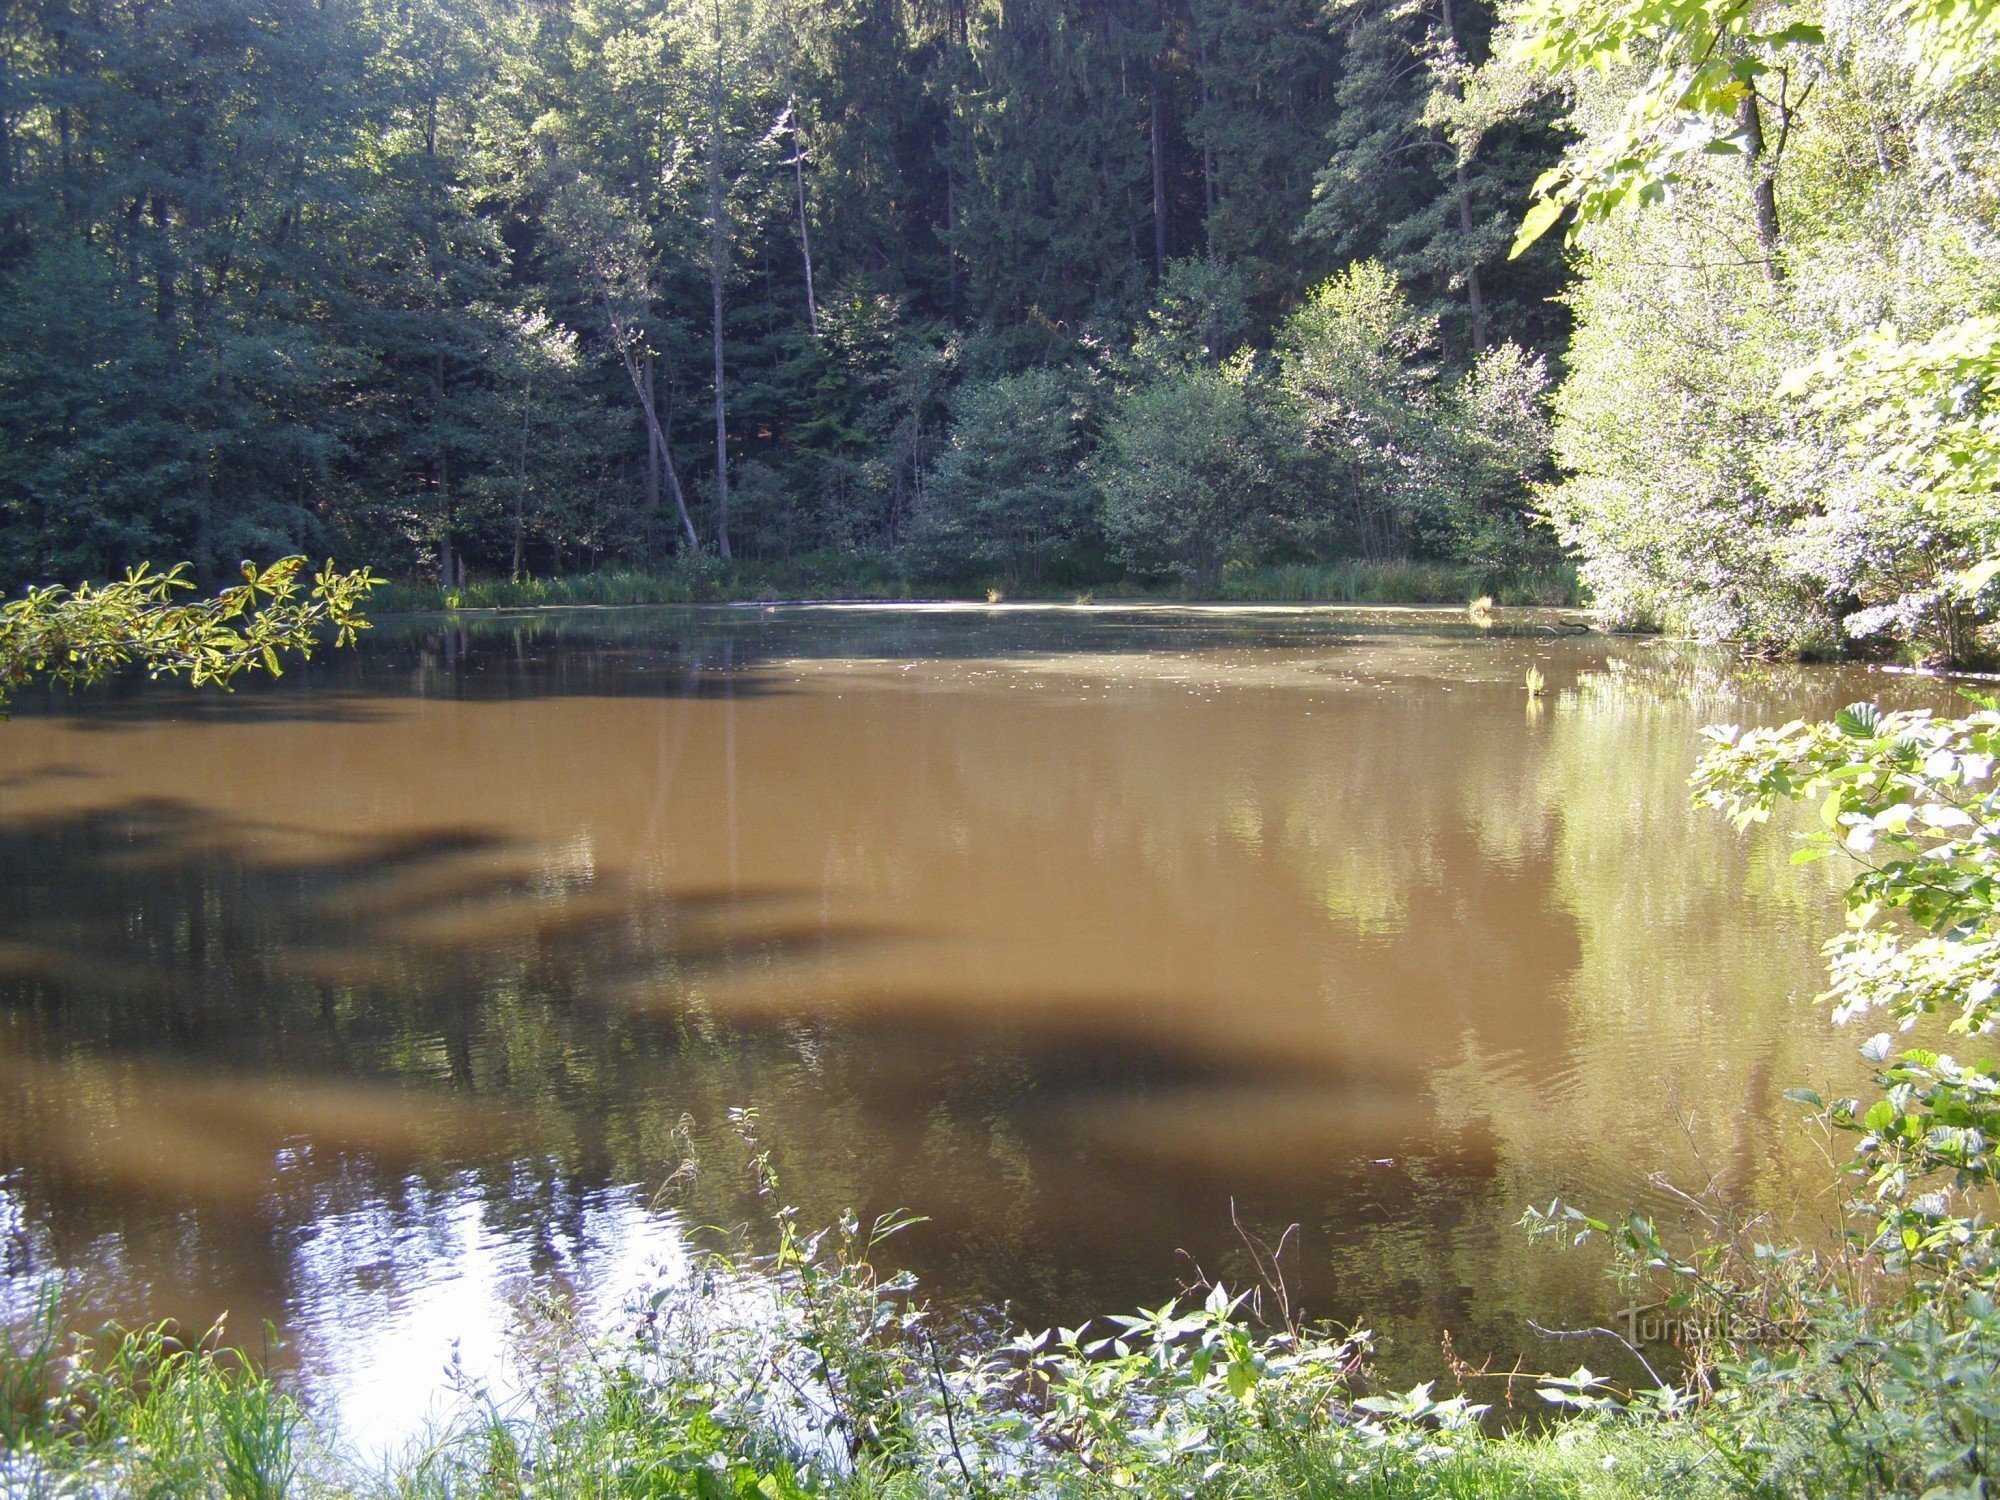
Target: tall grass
x,y
144,1412
699,582
800,1373
1360,582
837,1391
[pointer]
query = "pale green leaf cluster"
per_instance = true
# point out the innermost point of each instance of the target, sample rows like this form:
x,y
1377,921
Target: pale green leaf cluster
x,y
1950,40
1924,413
79,635
1915,799
1693,62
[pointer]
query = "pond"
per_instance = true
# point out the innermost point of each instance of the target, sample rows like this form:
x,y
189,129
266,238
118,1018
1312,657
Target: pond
x,y
385,1002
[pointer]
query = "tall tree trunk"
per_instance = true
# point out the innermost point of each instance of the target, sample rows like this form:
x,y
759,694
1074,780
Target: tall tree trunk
x,y
521,476
12,222
1763,185
163,259
443,470
652,479
1207,157
1159,146
64,131
1475,293
718,250
805,234
951,237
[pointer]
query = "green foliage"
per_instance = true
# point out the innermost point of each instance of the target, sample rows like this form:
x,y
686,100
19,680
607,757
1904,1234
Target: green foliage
x,y
1666,429
149,1412
1186,471
1702,62
1200,315
449,288
1923,426
1413,458
1432,155
1769,442
76,636
1495,424
1916,798
1010,494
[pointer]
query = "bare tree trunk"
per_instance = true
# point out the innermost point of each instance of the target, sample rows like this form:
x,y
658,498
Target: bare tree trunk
x,y
652,479
805,235
1763,185
718,250
1207,156
1475,294
656,439
1159,176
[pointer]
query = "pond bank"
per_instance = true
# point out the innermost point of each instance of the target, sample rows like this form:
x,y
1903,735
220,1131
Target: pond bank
x,y
799,1373
1352,582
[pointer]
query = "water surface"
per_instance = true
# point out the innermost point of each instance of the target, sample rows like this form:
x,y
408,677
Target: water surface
x,y
383,1001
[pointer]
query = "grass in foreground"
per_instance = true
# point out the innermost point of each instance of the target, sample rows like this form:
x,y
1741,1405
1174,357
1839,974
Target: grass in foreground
x,y
802,1374
710,1418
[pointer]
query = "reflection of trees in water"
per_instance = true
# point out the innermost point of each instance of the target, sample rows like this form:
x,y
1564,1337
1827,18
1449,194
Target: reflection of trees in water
x,y
1688,1008
1620,961
1429,927
218,1033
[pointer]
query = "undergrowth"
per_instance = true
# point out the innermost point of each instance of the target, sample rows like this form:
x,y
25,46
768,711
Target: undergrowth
x,y
839,576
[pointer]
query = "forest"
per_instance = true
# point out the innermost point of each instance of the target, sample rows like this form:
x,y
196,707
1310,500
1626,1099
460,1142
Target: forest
x,y
1039,294
553,1027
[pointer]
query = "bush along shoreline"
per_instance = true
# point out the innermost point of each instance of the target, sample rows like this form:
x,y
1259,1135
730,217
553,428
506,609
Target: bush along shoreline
x,y
796,1369
1443,584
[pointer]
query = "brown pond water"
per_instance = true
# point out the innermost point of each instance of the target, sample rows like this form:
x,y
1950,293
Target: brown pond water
x,y
382,1000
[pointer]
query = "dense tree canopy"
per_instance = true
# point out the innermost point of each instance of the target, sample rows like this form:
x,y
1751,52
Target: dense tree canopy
x,y
477,283
514,287
1782,420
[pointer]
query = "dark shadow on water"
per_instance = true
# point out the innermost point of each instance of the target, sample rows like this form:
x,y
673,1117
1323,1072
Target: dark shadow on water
x,y
254,1026
687,652
155,927
40,775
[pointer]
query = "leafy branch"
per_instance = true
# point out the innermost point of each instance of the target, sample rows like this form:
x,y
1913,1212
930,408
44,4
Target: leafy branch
x,y
77,636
